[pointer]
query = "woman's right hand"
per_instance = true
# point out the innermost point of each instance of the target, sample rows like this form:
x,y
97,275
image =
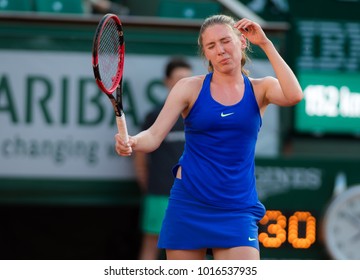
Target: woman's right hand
x,y
123,148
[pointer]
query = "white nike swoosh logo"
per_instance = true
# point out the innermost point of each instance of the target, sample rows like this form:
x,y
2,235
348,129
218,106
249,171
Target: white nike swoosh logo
x,y
252,239
225,115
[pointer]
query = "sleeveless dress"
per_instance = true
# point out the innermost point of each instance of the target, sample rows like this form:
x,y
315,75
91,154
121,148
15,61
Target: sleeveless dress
x,y
215,203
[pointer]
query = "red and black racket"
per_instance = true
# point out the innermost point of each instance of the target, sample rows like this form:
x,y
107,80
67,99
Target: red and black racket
x,y
108,64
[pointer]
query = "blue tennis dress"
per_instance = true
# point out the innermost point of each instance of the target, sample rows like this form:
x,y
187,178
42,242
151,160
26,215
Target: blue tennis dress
x,y
215,203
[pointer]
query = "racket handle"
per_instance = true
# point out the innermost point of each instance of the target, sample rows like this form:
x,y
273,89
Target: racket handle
x,y
122,128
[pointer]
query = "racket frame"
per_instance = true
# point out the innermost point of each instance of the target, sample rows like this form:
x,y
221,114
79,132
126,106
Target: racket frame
x,y
118,78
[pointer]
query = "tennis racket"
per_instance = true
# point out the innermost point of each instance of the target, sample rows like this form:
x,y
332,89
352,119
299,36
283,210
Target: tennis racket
x,y
108,54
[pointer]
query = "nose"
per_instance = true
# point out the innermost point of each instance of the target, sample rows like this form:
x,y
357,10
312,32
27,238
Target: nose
x,y
220,49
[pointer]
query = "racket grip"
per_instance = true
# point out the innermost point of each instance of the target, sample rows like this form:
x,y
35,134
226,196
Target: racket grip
x,y
122,128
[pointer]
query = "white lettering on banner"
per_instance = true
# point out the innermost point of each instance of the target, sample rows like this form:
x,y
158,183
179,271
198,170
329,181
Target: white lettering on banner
x,y
329,101
55,122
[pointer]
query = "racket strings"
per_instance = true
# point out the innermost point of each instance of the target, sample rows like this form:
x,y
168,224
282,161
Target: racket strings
x,y
109,48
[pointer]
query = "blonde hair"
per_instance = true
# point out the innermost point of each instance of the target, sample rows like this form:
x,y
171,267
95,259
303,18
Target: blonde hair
x,y
225,20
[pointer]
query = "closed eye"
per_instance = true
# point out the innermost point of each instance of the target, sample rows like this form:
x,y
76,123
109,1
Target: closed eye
x,y
210,46
226,40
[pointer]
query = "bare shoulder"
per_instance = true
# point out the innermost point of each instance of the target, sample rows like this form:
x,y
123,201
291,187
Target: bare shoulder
x,y
264,81
192,82
261,86
187,90
189,86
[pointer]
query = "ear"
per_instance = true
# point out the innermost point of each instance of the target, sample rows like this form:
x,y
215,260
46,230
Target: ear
x,y
243,42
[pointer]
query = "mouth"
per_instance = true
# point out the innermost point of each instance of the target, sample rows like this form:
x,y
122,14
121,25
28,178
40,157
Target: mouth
x,y
224,61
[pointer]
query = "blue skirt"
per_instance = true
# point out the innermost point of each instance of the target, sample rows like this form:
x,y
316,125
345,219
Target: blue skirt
x,y
191,224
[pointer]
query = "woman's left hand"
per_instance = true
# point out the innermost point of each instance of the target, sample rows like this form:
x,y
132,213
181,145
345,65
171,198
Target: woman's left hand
x,y
252,31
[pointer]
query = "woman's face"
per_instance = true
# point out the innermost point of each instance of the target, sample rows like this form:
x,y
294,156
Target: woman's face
x,y
222,47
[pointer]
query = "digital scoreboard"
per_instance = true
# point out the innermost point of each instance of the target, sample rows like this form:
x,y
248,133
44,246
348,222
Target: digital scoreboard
x,y
298,194
331,103
327,65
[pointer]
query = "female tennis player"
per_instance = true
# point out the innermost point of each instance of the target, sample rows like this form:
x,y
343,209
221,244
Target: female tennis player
x,y
213,202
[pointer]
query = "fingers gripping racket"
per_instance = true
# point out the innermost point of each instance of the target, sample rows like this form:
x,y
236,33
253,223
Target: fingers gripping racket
x,y
108,54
